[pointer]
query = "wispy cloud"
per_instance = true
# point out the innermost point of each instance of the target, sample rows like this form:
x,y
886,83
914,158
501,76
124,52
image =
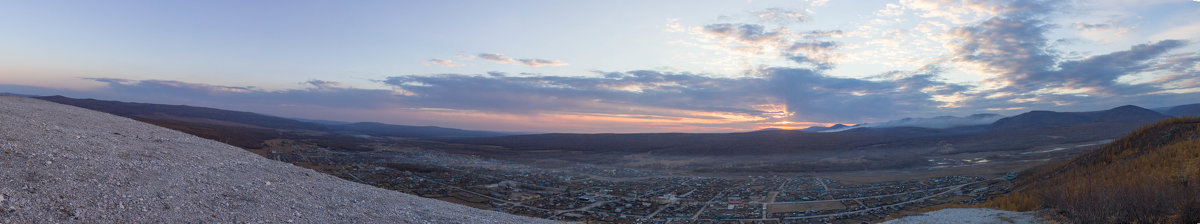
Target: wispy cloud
x,y
957,12
541,62
497,58
441,62
781,16
804,48
531,62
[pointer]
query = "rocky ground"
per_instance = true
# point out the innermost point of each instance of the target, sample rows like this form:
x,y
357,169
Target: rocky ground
x,y
63,164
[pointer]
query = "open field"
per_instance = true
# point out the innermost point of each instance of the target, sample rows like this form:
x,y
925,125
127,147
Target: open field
x,y
804,206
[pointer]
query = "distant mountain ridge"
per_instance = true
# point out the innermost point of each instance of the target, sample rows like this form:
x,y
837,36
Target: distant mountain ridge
x,y
211,116
1040,119
1192,110
1010,133
16,94
150,111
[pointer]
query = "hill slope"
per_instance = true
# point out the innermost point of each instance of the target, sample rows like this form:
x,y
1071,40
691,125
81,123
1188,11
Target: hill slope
x,y
218,120
1184,110
66,164
149,111
1150,176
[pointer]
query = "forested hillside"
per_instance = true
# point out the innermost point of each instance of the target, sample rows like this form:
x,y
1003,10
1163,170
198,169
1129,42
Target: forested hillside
x,y
1151,175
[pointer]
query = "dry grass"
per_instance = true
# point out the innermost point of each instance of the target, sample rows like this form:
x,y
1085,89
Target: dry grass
x,y
1150,176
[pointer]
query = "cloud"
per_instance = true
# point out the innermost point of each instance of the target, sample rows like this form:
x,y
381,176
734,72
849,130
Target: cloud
x,y
1010,48
540,62
816,3
498,58
807,94
1085,26
766,39
1024,71
322,84
781,16
1095,82
441,62
749,34
1107,31
816,97
939,121
1013,48
1099,73
673,26
532,62
613,93
322,93
953,11
755,39
817,53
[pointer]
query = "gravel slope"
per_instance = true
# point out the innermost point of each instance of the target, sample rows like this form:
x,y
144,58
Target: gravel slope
x,y
63,164
969,216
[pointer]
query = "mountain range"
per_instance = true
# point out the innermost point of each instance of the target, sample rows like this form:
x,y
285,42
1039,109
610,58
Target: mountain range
x,y
1041,119
203,115
1192,110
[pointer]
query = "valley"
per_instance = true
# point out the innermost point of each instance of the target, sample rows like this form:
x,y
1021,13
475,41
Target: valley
x,y
772,176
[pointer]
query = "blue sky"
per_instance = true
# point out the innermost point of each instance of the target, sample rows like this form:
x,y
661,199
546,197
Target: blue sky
x,y
609,66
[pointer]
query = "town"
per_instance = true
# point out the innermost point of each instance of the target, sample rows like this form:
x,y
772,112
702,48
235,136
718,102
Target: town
x,y
603,194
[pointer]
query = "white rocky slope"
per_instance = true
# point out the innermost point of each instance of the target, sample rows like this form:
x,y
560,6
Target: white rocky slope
x,y
970,216
61,164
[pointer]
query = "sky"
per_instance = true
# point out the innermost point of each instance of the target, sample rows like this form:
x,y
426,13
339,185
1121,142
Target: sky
x,y
609,66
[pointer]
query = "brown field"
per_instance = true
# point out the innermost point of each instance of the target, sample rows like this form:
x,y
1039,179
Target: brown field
x,y
994,169
801,207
